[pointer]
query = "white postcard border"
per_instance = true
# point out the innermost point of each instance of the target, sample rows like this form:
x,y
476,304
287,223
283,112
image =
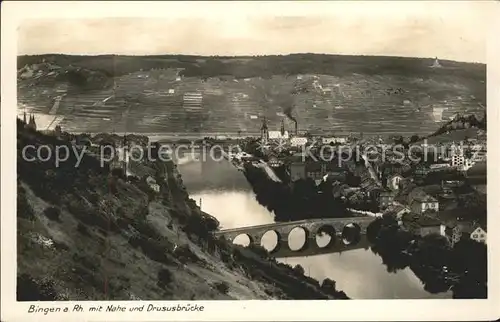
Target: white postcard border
x,y
400,310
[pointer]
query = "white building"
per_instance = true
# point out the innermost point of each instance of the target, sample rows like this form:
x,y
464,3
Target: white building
x,y
421,205
437,113
394,181
436,64
298,141
276,135
152,184
420,201
155,187
439,166
457,158
479,235
333,140
454,234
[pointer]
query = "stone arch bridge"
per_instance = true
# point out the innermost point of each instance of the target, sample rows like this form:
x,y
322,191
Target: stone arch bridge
x,y
345,234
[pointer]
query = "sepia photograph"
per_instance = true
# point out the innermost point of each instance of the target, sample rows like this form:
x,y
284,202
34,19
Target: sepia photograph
x,y
335,154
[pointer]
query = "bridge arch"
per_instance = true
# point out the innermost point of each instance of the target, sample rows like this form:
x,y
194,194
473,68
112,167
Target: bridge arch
x,y
271,240
294,237
351,234
243,239
325,236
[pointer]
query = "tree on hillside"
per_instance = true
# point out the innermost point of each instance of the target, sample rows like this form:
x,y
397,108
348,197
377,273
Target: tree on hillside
x,y
399,140
414,138
299,270
328,285
434,250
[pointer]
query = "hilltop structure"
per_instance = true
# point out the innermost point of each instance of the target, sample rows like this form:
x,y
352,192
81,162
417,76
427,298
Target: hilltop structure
x,y
436,63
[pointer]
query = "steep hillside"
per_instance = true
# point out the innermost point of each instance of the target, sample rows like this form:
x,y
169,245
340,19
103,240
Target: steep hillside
x,y
459,128
327,92
84,233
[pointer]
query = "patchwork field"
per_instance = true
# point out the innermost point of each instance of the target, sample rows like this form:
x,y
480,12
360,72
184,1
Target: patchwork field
x,y
415,99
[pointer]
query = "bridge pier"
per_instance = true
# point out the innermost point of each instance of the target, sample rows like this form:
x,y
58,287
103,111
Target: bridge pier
x,y
282,244
255,239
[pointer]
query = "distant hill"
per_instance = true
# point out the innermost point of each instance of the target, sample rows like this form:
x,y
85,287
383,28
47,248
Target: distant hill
x,y
328,93
46,73
261,66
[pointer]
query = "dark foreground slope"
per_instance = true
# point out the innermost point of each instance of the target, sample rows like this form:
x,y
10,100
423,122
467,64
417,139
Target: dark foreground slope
x,y
85,234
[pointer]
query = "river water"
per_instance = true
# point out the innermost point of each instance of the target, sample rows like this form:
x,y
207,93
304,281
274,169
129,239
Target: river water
x,y
224,192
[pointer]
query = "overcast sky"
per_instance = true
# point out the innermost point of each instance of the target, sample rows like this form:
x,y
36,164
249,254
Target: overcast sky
x,y
448,30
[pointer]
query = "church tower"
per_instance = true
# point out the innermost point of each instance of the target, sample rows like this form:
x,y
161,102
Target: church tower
x,y
32,124
264,132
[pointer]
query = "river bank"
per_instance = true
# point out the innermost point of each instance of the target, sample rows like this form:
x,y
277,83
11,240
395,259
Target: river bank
x,y
461,268
302,199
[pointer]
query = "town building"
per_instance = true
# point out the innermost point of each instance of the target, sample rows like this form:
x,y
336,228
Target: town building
x,y
452,183
152,184
479,235
394,182
422,225
277,135
396,209
315,170
421,171
297,171
429,228
439,166
420,202
453,234
456,232
334,140
339,175
459,160
274,161
386,198
298,141
400,211
264,132
478,156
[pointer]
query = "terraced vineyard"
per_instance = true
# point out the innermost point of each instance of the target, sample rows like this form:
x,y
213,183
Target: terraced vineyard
x,y
155,101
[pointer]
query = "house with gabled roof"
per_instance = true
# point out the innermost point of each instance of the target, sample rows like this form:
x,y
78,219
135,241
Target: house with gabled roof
x,y
420,202
478,234
456,232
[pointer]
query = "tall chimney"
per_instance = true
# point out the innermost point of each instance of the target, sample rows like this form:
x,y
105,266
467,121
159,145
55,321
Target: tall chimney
x,y
296,128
